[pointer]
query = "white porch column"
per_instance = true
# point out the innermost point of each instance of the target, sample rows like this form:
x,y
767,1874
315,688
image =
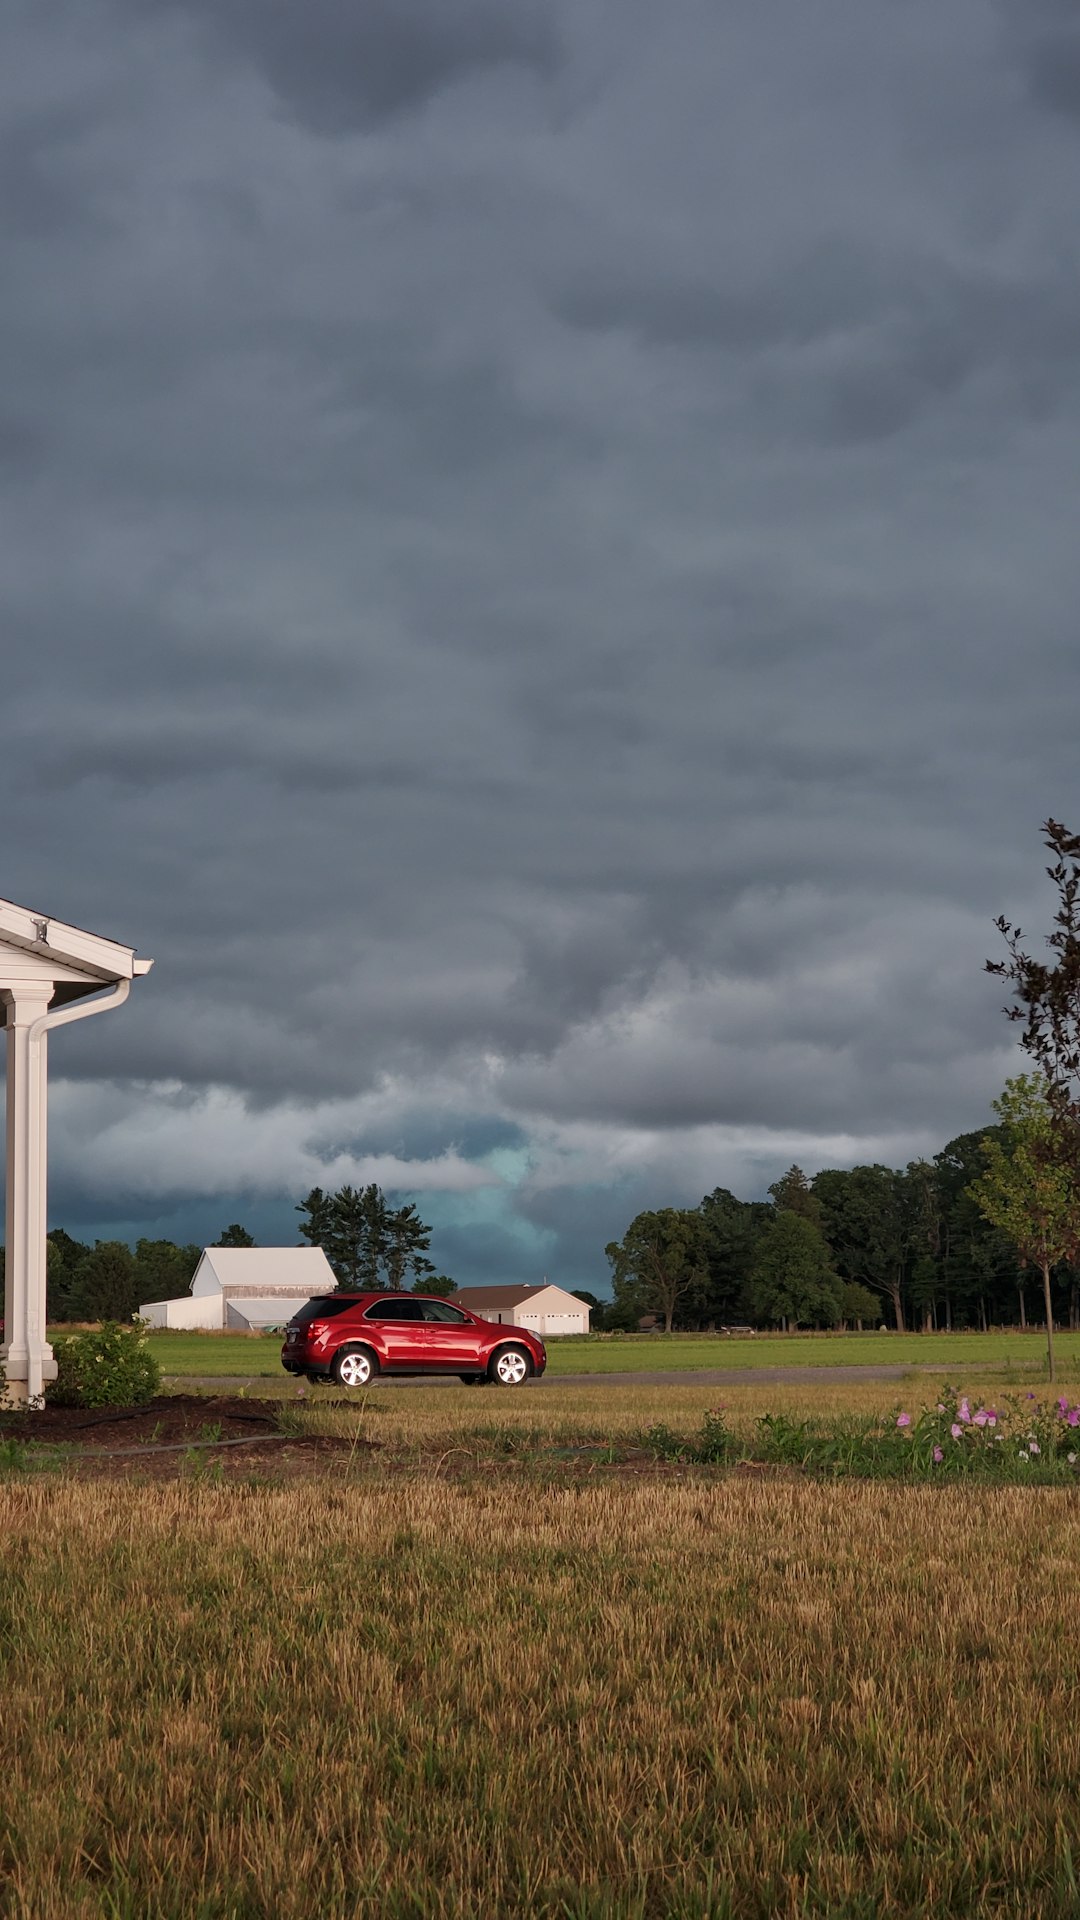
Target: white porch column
x,y
26,1355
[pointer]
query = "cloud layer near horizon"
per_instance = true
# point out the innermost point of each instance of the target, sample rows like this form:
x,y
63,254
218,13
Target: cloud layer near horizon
x,y
539,584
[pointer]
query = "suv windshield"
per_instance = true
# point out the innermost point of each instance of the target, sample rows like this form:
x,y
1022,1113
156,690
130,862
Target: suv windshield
x,y
320,1309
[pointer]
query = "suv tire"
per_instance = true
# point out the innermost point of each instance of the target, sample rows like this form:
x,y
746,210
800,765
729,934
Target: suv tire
x,y
509,1366
354,1367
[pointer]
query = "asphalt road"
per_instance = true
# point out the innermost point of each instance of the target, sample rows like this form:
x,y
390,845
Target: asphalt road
x,y
657,1377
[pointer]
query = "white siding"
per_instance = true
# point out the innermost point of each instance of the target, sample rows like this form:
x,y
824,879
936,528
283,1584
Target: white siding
x,y
202,1310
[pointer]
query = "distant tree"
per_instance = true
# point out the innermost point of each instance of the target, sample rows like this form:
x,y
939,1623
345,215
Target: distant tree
x,y
406,1241
368,1243
1026,1191
440,1284
107,1286
792,1193
660,1261
235,1236
317,1221
732,1230
858,1304
865,1215
64,1259
162,1269
793,1281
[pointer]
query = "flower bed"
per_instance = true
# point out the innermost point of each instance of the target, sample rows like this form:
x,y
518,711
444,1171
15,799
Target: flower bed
x,y
1017,1438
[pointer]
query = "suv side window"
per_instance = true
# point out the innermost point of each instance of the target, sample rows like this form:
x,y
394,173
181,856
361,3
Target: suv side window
x,y
444,1314
394,1310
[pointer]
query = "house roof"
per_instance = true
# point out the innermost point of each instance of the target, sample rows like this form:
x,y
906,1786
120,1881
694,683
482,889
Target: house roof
x,y
504,1296
495,1296
55,940
265,1268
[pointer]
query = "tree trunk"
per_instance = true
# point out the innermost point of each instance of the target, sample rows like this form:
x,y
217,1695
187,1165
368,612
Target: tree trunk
x,y
1049,1305
669,1315
898,1306
948,1314
1023,1310
982,1312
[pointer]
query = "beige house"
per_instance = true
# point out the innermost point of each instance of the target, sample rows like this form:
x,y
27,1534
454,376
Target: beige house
x,y
245,1288
548,1311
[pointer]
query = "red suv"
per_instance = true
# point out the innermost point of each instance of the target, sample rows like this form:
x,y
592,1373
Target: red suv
x,y
352,1337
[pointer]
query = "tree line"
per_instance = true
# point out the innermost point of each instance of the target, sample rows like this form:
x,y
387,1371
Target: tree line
x,y
911,1248
368,1243
110,1281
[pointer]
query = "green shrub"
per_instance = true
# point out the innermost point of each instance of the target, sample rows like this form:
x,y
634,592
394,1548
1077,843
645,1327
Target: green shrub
x,y
108,1368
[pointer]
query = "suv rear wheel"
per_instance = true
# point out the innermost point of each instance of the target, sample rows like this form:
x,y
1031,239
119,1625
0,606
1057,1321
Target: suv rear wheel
x,y
354,1367
510,1367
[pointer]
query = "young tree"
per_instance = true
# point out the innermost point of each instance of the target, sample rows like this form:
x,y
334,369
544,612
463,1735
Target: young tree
x,y
1026,1191
1047,995
660,1261
793,1281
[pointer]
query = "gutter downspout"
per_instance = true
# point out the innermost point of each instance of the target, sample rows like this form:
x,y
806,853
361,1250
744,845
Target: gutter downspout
x,y
37,1035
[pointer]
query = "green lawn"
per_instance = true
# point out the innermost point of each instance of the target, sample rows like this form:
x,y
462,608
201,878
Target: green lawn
x,y
251,1354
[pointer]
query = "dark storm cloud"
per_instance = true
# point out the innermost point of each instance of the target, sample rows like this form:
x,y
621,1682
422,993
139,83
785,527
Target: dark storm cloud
x,y
540,579
339,65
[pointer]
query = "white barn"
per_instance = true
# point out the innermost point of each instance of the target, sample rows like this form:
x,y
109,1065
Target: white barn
x,y
548,1311
245,1288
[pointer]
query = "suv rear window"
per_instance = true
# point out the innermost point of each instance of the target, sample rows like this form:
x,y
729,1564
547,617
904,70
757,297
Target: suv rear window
x,y
324,1309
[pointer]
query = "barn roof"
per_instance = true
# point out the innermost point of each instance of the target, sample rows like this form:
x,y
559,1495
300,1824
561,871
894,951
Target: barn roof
x,y
264,1269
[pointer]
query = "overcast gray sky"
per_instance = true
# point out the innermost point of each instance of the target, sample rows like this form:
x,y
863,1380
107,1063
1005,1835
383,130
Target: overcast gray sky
x,y
540,569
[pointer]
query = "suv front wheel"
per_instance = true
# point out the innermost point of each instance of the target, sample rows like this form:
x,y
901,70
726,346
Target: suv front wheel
x,y
510,1367
354,1367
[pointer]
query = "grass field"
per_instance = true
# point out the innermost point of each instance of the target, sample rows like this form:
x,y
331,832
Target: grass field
x,y
224,1354
415,1697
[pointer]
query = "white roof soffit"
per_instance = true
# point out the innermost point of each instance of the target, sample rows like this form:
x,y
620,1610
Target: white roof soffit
x,y
52,939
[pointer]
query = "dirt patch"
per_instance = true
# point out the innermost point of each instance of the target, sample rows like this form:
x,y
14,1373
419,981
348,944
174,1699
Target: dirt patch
x,y
171,1433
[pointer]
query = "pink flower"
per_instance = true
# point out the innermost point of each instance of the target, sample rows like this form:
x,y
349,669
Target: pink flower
x,y
938,1455
956,1431
1033,1446
941,1406
903,1419
1063,1404
1073,1417
991,1419
981,1417
963,1411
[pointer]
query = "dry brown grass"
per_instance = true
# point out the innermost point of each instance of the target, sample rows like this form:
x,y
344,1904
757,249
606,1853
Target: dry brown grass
x,y
415,1697
420,1418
